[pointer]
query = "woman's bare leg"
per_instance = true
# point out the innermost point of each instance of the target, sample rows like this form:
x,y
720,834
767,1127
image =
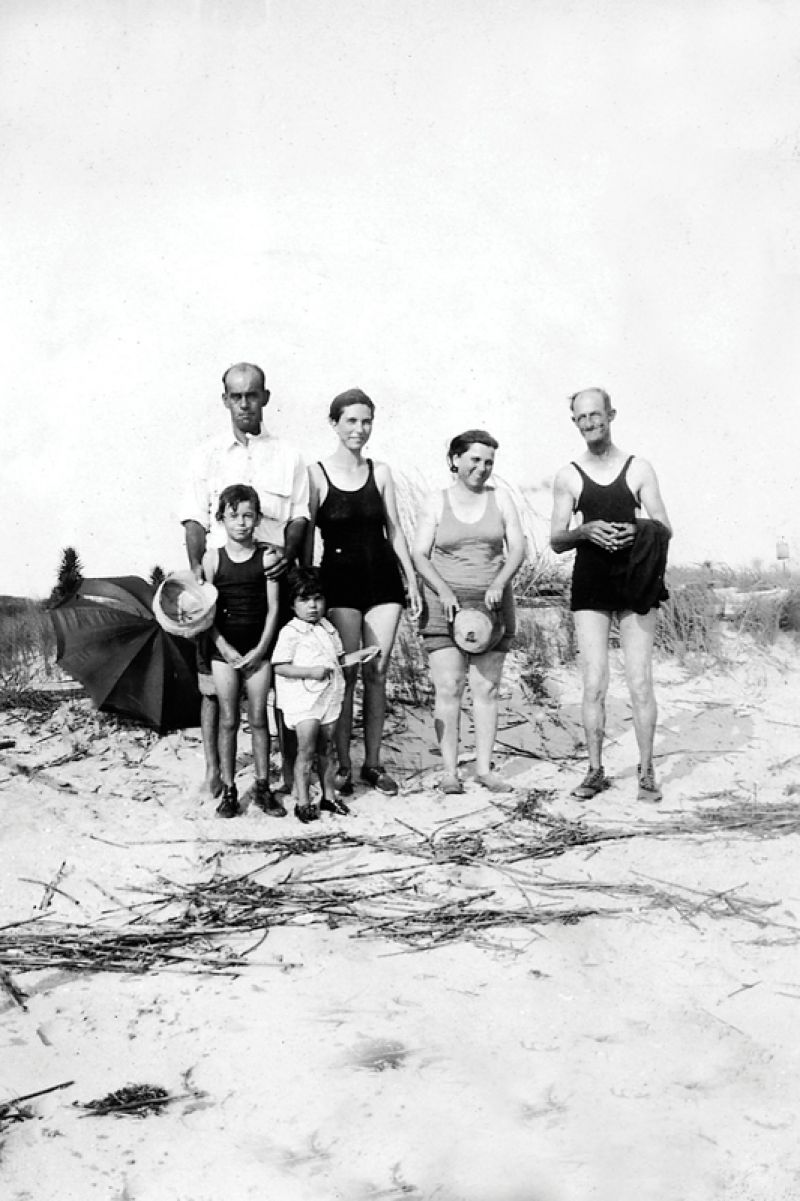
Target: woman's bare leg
x,y
485,672
449,674
348,624
379,629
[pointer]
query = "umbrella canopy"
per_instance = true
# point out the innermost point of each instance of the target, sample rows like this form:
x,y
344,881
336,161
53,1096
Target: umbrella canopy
x,y
108,639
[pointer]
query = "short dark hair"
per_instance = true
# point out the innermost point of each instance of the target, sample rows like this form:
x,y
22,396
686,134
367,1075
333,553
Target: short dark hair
x,y
244,367
304,582
462,442
353,396
600,392
235,495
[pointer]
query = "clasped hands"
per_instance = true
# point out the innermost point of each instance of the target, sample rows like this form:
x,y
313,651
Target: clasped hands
x,y
610,535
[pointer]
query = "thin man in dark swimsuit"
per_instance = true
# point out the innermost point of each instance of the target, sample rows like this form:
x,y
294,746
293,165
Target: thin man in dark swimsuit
x,y
608,488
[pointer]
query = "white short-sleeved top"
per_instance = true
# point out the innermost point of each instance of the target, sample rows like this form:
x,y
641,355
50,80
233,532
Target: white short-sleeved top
x,y
307,644
268,464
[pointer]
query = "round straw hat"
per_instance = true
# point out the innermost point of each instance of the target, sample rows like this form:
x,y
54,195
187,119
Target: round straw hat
x,y
477,630
183,605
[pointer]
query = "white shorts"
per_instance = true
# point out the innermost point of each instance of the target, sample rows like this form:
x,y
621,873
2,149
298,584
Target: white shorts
x,y
310,700
324,709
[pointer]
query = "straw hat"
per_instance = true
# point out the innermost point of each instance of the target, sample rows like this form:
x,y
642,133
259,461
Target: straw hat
x,y
477,630
183,605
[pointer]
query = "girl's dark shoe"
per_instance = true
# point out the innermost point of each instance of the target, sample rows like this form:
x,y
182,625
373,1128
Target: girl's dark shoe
x,y
229,805
333,805
306,813
266,801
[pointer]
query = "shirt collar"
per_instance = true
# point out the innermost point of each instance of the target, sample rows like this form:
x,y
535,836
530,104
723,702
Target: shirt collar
x,y
231,440
308,627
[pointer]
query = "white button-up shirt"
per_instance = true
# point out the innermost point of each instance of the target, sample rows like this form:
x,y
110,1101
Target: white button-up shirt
x,y
266,463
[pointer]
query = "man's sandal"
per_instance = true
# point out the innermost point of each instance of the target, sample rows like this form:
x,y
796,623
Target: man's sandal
x,y
648,789
593,782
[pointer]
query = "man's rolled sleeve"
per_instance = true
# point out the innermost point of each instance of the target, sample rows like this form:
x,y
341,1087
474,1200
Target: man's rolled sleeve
x,y
195,500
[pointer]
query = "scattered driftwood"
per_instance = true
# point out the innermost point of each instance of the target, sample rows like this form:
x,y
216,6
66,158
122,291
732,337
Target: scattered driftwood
x,y
132,1100
409,886
16,1111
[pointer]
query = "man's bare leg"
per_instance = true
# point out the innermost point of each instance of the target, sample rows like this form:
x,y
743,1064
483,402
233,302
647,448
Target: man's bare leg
x,y
592,628
209,726
637,634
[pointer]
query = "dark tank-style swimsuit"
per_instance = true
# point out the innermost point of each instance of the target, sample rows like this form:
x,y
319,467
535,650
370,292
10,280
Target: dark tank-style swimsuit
x,y
359,568
598,576
241,601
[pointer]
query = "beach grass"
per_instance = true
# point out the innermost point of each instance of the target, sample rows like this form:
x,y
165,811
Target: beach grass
x,y
27,644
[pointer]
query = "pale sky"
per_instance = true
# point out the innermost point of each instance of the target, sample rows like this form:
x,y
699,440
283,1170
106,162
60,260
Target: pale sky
x,y
468,208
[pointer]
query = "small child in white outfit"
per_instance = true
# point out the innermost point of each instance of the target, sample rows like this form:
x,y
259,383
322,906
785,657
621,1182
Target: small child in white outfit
x,y
309,684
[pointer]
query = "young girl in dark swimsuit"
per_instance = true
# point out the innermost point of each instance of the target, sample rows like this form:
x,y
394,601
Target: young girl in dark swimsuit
x,y
240,640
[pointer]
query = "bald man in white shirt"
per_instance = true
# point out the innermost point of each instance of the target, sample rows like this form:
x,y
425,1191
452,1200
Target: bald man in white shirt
x,y
247,454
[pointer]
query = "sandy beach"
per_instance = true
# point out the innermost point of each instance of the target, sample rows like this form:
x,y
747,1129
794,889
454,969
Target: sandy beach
x,y
466,998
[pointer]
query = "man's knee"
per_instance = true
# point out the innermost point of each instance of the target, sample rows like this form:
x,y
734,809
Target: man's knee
x,y
640,686
595,686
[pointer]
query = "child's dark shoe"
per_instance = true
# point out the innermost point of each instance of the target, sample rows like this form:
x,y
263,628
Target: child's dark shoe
x,y
333,805
229,805
266,801
306,813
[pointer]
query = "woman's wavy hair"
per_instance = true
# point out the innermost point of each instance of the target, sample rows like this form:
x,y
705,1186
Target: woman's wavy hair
x,y
353,396
462,442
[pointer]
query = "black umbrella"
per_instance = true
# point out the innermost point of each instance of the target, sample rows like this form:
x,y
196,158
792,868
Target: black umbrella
x,y
108,639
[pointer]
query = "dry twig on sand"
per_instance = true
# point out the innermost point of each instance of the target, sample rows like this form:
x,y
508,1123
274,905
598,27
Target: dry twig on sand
x,y
15,1111
419,900
132,1100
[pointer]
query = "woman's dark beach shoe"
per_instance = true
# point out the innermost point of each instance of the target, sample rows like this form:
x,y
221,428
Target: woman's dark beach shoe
x,y
593,782
343,782
379,779
648,789
266,801
229,805
333,805
306,813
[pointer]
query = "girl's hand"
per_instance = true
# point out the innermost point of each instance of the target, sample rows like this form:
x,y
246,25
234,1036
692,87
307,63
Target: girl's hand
x,y
321,672
414,602
251,659
231,656
449,602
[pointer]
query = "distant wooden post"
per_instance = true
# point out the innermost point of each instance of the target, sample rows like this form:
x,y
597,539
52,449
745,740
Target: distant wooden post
x,y
782,554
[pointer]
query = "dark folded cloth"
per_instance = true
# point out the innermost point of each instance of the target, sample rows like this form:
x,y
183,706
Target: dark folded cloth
x,y
644,580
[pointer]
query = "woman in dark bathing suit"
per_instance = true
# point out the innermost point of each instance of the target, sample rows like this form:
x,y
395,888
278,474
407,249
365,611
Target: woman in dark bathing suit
x,y
353,506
